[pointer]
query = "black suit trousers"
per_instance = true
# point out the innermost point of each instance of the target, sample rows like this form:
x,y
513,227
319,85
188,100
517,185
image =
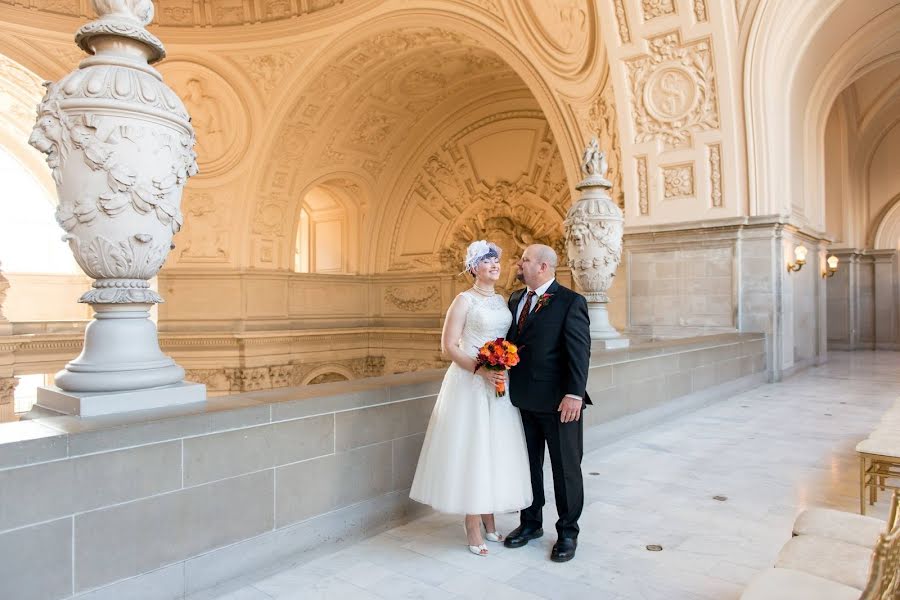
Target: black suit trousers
x,y
565,441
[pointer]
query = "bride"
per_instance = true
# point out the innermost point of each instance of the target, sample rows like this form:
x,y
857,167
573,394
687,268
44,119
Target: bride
x,y
474,460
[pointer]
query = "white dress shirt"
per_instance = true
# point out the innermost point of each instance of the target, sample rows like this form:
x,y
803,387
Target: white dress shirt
x,y
538,293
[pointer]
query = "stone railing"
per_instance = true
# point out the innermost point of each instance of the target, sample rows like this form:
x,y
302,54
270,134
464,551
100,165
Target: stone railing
x,y
170,502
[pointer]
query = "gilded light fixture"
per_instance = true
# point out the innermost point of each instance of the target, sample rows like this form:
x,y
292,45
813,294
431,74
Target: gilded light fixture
x,y
832,267
800,258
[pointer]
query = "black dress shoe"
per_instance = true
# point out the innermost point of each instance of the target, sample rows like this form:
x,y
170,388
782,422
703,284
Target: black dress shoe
x,y
521,535
563,549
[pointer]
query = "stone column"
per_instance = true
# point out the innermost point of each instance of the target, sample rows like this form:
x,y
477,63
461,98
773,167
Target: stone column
x,y
119,144
886,299
593,228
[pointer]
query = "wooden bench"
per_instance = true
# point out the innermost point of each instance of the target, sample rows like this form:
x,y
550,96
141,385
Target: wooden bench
x,y
834,556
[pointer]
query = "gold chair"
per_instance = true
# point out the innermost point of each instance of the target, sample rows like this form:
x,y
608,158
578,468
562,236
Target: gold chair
x,y
879,462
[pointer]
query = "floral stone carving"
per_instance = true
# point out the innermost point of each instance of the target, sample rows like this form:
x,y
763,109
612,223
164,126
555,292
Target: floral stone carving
x,y
593,232
119,145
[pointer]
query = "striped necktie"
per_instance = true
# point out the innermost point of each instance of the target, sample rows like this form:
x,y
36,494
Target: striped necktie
x,y
525,310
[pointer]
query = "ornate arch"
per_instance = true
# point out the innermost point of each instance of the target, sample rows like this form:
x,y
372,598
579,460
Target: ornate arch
x,y
886,233
785,132
327,78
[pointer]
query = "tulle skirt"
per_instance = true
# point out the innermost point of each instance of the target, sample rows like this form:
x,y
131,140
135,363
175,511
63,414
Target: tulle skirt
x,y
474,459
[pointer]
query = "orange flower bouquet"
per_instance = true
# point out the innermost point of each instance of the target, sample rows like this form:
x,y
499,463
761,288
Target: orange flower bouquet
x,y
498,355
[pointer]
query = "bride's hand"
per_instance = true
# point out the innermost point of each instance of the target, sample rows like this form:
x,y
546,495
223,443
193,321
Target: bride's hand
x,y
491,376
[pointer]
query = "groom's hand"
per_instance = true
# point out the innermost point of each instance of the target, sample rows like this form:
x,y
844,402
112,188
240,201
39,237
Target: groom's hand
x,y
569,409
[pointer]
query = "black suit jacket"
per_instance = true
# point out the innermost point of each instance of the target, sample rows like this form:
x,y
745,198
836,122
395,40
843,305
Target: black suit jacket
x,y
554,351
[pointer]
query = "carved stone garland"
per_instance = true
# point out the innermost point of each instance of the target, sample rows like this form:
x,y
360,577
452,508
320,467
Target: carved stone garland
x,y
119,144
593,231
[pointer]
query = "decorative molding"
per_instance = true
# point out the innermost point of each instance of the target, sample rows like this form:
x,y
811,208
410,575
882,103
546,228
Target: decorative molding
x,y
700,12
643,191
603,121
267,70
201,13
673,91
715,175
678,180
511,214
413,299
4,285
652,9
207,239
622,21
409,365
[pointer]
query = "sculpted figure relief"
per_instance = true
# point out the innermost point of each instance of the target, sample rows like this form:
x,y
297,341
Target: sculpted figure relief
x,y
206,117
138,10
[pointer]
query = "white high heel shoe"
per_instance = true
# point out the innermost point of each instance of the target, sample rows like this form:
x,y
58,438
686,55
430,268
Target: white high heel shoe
x,y
492,536
480,550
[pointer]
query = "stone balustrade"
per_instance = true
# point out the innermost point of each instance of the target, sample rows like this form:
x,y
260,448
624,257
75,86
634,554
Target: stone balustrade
x,y
163,503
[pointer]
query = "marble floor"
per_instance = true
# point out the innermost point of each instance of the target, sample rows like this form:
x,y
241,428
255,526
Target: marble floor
x,y
769,452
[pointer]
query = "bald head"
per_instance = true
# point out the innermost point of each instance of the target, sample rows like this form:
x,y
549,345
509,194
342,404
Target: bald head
x,y
545,254
537,265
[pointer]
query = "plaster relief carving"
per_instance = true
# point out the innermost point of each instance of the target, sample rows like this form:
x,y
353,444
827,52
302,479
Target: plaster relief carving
x,y
562,22
700,11
560,30
673,91
413,299
218,116
473,204
678,181
410,365
267,70
373,127
715,175
643,191
203,13
622,21
603,122
331,377
4,285
511,225
270,216
206,239
657,8
176,13
19,93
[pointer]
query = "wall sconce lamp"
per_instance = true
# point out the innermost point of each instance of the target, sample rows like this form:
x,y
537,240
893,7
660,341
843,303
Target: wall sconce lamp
x,y
800,256
831,269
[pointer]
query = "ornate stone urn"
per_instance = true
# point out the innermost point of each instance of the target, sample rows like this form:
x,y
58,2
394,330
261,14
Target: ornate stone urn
x,y
593,229
119,144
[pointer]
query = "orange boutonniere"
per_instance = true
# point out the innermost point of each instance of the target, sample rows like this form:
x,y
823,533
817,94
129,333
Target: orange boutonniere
x,y
543,301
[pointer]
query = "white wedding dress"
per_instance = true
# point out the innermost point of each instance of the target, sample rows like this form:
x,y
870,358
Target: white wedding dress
x,y
474,459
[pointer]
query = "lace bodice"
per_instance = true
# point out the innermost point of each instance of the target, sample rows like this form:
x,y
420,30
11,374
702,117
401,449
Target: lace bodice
x,y
488,318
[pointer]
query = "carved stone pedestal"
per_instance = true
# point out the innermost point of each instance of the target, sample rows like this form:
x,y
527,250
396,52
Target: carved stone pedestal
x,y
90,404
119,144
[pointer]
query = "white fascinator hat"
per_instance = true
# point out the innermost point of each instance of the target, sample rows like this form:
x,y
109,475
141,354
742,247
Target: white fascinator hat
x,y
478,251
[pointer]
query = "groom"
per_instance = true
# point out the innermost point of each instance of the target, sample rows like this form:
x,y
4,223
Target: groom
x,y
551,327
